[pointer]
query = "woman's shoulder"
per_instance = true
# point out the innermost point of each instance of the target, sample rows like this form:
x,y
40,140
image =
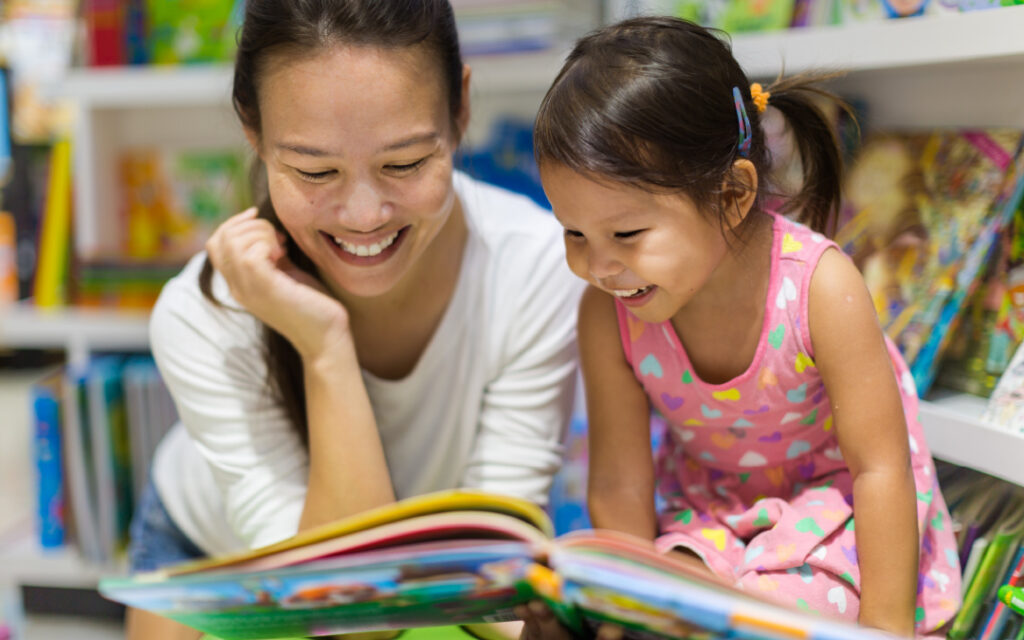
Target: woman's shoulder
x,y
500,216
182,307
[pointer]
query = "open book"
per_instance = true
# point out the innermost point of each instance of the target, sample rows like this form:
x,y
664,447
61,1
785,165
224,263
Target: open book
x,y
458,557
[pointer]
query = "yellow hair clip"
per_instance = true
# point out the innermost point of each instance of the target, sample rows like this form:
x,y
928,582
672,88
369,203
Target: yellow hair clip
x,y
759,97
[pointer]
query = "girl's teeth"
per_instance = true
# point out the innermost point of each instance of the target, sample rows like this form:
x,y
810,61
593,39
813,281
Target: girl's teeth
x,y
629,293
363,250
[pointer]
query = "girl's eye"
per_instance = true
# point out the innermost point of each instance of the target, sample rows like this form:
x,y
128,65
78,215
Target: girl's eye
x,y
405,168
569,233
628,234
318,176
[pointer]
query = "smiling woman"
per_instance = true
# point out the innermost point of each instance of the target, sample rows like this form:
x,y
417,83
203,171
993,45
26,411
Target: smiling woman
x,y
380,326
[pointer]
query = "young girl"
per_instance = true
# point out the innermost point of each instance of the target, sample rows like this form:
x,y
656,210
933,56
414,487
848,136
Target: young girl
x,y
383,326
795,465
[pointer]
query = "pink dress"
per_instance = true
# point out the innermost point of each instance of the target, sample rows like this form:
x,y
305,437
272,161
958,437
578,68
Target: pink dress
x,y
750,470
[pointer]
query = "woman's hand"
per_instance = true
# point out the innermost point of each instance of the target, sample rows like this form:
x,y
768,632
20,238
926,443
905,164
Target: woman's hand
x,y
250,254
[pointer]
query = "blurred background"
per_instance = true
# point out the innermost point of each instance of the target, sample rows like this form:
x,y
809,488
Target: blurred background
x,y
119,153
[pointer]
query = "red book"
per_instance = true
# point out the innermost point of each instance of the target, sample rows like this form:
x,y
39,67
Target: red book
x,y
105,32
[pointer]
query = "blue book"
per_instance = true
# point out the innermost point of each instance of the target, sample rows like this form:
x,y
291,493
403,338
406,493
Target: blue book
x,y
46,417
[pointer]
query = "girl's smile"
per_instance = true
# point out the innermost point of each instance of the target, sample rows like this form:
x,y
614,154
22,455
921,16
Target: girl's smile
x,y
655,252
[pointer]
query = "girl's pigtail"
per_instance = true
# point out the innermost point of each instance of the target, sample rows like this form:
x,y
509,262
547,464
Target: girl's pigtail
x,y
800,101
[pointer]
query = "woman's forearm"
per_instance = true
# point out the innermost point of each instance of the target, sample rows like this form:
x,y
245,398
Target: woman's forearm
x,y
888,548
348,471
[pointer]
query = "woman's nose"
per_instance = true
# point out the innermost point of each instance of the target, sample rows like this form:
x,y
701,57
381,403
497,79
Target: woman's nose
x,y
364,209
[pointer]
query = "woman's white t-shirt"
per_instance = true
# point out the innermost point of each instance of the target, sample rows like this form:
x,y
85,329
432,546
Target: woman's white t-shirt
x,y
485,407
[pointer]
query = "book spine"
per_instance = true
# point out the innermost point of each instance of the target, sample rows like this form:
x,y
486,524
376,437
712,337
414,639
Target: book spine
x,y
105,26
6,150
974,598
55,235
49,465
996,622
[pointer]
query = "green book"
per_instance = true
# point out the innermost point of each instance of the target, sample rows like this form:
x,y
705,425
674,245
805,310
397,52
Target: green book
x,y
1004,541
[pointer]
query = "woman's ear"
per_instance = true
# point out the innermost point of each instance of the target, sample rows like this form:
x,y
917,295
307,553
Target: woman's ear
x,y
462,118
254,140
739,191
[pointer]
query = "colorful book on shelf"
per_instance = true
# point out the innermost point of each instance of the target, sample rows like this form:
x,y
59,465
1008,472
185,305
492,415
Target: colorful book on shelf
x,y
1003,540
79,466
122,282
105,32
23,197
53,254
189,31
45,399
993,321
920,216
172,200
737,16
110,450
458,557
150,412
994,626
1006,404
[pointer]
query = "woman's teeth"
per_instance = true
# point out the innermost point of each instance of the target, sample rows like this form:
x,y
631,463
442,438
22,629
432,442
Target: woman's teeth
x,y
364,250
631,293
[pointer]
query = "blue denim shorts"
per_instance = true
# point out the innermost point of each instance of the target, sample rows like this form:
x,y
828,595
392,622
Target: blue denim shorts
x,y
155,540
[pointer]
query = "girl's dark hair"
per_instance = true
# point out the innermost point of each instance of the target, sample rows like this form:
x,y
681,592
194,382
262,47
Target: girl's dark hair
x,y
649,102
296,28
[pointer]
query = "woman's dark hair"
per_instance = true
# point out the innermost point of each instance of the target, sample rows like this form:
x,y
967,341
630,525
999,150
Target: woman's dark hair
x,y
649,102
297,28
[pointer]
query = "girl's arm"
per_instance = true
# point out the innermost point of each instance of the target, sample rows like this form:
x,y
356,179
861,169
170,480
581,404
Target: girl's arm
x,y
620,492
851,356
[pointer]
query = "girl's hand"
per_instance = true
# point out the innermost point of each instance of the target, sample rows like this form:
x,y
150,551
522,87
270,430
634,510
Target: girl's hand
x,y
250,254
541,624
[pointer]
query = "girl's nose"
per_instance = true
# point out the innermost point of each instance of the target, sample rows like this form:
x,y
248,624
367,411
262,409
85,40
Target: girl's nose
x,y
601,265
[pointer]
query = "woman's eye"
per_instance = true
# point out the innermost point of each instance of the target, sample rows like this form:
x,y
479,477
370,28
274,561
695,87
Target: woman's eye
x,y
628,234
315,176
405,168
569,233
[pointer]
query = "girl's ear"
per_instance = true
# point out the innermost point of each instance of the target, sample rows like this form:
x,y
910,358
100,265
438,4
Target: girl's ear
x,y
739,191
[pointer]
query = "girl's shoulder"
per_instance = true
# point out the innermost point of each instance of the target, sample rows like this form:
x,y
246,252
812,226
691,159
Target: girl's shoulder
x,y
796,240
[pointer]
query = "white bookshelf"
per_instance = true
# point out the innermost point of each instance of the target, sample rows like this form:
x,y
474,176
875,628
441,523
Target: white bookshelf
x,y
25,562
956,433
149,86
979,37
78,331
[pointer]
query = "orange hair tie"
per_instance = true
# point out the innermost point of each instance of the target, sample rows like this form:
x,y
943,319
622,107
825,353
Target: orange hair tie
x,y
759,97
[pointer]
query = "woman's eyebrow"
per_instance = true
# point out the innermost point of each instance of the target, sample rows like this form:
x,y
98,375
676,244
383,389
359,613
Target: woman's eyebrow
x,y
429,136
304,150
